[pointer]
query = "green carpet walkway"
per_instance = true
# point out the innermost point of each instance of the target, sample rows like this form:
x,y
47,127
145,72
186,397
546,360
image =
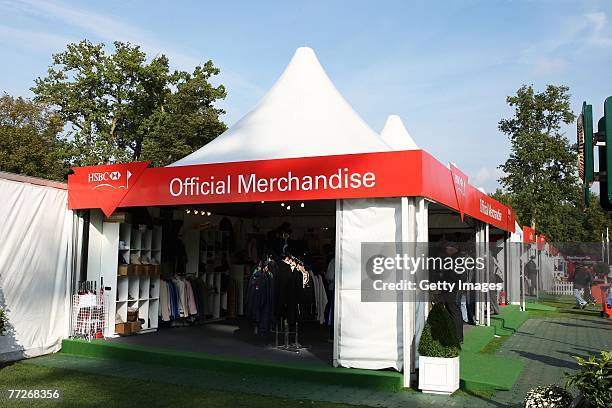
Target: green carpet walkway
x,y
249,383
544,346
478,371
481,371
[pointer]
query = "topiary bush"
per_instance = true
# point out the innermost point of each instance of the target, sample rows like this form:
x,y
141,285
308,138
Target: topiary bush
x,y
549,396
594,380
439,338
3,320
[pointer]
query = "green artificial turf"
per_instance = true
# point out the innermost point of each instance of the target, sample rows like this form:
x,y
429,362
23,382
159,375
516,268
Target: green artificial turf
x,y
375,379
540,307
509,319
555,307
494,344
481,371
87,390
477,338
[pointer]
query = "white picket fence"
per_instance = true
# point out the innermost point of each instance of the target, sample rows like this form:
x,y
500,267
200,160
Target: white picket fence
x,y
562,288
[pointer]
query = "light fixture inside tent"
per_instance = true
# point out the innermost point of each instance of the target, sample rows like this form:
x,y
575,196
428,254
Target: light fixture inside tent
x,y
394,134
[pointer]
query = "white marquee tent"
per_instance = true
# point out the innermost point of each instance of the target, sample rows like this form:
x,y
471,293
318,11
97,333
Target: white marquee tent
x,y
394,134
304,115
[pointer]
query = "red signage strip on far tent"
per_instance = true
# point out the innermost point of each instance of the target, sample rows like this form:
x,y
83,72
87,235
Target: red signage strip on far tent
x,y
541,240
460,182
412,173
529,235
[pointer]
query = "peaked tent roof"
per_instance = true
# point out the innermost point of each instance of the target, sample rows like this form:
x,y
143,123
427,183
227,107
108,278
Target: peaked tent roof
x,y
394,134
302,115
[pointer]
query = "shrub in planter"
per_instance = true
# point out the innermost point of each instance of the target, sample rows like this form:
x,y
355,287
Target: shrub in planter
x,y
439,338
439,353
3,320
594,380
549,396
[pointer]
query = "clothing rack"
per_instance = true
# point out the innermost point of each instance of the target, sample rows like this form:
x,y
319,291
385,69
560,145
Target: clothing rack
x,y
294,347
89,317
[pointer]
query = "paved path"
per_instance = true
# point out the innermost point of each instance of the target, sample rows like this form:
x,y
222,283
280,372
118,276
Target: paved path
x,y
546,345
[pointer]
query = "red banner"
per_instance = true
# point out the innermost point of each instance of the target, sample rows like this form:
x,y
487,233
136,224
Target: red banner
x,y
541,240
389,174
460,182
104,186
529,235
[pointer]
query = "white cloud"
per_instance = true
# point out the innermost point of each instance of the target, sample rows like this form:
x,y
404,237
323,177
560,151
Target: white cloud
x,y
550,65
598,36
108,28
552,55
34,40
487,176
104,27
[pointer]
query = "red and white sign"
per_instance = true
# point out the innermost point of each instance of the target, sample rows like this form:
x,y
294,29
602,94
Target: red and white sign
x,y
103,186
529,235
388,174
460,182
541,240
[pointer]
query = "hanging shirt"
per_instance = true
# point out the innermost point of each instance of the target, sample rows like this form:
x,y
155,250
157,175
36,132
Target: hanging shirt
x,y
330,274
190,297
164,301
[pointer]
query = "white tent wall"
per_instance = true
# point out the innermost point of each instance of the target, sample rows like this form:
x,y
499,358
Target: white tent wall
x,y
368,335
547,263
515,244
36,259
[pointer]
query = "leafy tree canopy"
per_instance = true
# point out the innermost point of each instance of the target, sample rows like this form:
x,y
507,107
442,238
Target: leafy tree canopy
x,y
30,140
540,180
123,107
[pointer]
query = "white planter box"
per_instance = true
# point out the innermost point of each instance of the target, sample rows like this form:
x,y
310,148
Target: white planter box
x,y
438,375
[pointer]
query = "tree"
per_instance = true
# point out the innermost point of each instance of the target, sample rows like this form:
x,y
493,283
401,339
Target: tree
x,y
30,140
120,107
540,174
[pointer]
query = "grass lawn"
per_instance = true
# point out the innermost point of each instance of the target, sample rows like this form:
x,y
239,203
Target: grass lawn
x,y
564,307
494,344
86,390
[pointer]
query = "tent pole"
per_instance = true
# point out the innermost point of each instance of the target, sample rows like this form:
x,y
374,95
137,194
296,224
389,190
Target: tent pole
x,y
337,280
408,235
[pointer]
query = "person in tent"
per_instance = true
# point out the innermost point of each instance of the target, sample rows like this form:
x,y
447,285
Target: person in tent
x,y
531,272
450,298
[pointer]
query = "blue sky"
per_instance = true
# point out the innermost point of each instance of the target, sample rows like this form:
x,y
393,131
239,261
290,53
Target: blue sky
x,y
444,66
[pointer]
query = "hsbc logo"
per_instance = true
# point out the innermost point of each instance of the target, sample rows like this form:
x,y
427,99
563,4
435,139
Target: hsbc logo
x,y
103,176
108,179
459,183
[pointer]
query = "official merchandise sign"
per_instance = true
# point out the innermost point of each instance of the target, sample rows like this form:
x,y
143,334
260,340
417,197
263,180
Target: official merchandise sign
x,y
367,175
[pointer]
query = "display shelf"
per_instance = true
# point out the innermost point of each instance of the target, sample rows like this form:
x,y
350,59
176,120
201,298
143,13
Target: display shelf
x,y
138,289
121,312
122,288
143,312
154,311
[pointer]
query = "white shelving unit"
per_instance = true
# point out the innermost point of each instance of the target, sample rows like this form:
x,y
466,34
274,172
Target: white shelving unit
x,y
123,246
205,251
